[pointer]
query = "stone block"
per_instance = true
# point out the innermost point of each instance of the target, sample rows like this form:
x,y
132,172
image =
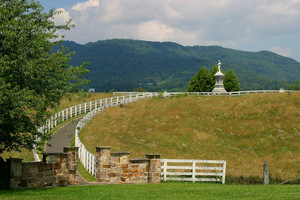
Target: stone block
x,y
34,185
134,165
62,182
27,175
30,167
55,166
138,174
24,183
127,175
124,166
45,167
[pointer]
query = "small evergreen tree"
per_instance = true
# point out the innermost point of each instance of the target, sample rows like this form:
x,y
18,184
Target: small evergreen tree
x,y
201,82
231,82
295,86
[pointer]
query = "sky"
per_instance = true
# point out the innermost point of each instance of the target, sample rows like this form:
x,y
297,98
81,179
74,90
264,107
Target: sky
x,y
249,25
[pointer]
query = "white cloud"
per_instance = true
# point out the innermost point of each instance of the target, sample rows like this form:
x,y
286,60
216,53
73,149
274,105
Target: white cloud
x,y
284,52
231,23
62,17
85,5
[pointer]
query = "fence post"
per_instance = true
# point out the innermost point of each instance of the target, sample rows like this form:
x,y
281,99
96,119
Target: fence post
x,y
194,171
165,170
224,172
266,173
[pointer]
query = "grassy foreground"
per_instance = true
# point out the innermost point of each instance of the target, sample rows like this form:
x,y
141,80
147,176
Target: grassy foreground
x,y
158,191
244,131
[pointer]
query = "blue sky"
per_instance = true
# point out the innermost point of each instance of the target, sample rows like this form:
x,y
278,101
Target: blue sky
x,y
251,25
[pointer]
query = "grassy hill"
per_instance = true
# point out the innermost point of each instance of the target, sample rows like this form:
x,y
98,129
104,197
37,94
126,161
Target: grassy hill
x,y
244,131
124,65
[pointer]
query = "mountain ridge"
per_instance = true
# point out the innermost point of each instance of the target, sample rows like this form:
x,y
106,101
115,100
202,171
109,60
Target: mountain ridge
x,y
123,65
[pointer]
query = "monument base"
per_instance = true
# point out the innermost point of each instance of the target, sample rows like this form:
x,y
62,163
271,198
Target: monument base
x,y
219,88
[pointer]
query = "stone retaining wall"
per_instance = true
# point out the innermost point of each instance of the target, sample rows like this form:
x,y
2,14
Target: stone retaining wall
x,y
117,167
56,169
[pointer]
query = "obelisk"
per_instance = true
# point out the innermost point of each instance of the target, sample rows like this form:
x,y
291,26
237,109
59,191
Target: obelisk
x,y
219,87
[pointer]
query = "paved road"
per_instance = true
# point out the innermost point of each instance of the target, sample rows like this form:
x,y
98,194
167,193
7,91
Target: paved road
x,y
62,138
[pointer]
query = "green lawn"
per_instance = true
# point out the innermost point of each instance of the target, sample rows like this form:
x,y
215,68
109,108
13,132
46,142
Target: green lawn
x,y
159,191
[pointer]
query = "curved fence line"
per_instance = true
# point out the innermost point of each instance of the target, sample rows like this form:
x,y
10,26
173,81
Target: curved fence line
x,y
87,158
89,106
68,113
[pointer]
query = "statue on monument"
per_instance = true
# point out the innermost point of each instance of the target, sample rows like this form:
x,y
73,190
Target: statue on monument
x,y
219,66
219,87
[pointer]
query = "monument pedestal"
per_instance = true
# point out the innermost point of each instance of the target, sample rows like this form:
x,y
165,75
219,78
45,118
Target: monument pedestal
x,y
219,87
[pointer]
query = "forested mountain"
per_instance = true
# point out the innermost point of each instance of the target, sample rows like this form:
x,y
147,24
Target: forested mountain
x,y
124,65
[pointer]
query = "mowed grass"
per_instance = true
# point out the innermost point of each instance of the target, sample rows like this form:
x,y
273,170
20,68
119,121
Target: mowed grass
x,y
27,155
244,131
158,191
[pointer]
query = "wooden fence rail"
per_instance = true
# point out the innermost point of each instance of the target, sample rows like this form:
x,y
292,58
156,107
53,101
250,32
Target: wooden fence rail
x,y
193,170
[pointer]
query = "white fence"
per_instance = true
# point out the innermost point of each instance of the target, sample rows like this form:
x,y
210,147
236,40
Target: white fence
x,y
81,109
193,170
88,159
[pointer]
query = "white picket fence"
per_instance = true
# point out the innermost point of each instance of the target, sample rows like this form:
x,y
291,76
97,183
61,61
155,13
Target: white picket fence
x,y
87,158
193,170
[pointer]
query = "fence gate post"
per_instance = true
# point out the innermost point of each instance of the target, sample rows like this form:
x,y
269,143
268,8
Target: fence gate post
x,y
165,170
224,172
266,173
194,171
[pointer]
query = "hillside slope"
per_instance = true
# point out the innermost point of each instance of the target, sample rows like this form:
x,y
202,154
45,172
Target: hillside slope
x,y
243,130
126,64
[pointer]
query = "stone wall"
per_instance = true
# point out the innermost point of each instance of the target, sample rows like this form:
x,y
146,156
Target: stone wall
x,y
117,167
56,169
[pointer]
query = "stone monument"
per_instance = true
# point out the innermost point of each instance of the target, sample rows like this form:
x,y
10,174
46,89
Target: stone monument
x,y
219,87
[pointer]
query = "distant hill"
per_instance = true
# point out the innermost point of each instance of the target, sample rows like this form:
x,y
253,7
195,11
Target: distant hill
x,y
124,65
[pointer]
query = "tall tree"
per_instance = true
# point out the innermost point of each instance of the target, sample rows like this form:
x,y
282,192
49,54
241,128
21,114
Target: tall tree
x,y
32,80
231,82
201,82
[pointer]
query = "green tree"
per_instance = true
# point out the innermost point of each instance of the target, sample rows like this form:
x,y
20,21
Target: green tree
x,y
201,82
213,71
140,89
32,80
295,86
231,82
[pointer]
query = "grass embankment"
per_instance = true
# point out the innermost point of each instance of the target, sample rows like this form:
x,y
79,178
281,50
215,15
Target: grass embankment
x,y
27,155
158,191
244,131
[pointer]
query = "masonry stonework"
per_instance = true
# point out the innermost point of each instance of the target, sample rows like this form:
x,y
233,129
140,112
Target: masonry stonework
x,y
56,169
118,168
